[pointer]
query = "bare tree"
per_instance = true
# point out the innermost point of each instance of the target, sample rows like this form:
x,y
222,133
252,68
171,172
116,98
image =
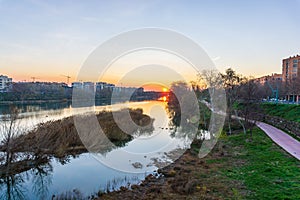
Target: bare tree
x,y
231,82
211,80
9,129
249,108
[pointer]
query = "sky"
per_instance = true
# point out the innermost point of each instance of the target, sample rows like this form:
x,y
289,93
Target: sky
x,y
48,39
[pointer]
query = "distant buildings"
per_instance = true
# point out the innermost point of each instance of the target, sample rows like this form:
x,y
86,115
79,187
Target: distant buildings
x,y
5,83
35,90
271,78
103,86
288,82
291,68
77,85
106,91
90,86
21,91
291,77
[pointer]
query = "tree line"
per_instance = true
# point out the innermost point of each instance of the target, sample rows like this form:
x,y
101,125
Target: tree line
x,y
244,95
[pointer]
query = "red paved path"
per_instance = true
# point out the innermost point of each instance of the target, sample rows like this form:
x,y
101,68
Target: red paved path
x,y
285,141
288,143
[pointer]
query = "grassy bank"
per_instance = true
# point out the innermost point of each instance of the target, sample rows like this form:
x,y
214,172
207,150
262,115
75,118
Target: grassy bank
x,y
237,168
264,169
286,111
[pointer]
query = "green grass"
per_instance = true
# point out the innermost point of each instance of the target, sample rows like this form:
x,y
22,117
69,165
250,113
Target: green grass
x,y
238,167
286,111
262,167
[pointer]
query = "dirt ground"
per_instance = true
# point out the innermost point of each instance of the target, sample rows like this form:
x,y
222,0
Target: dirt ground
x,y
187,178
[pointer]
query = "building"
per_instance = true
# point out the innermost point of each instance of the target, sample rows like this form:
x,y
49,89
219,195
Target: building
x,y
291,68
291,77
104,85
100,85
270,78
5,83
77,85
90,86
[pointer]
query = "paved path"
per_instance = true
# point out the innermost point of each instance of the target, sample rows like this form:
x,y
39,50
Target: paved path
x,y
285,141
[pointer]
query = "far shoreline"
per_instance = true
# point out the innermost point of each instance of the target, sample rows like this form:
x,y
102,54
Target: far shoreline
x,y
22,102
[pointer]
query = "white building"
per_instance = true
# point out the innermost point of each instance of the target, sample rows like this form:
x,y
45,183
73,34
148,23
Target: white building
x,y
89,86
104,85
77,85
5,82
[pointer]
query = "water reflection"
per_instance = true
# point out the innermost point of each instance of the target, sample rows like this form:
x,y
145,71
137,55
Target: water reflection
x,y
184,115
117,182
41,180
12,187
55,176
15,174
36,107
57,107
26,169
28,177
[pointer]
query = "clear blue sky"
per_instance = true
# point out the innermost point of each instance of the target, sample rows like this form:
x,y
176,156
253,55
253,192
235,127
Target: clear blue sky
x,y
49,38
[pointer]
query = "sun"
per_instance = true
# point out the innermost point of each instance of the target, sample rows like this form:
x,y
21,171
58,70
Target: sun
x,y
165,89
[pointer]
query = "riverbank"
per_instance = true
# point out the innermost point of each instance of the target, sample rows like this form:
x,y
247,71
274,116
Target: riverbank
x,y
237,168
34,102
60,138
107,100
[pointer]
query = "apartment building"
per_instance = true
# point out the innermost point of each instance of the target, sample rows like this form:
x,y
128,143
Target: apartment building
x,y
291,77
273,78
5,83
291,68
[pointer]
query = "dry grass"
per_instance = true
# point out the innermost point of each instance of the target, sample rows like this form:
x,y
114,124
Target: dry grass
x,y
61,137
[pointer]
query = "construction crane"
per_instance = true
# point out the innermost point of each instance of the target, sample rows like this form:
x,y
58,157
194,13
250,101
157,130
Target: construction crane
x,y
68,78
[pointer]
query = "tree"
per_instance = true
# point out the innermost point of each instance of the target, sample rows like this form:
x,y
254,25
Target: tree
x,y
177,90
211,80
249,106
9,129
183,107
231,81
213,93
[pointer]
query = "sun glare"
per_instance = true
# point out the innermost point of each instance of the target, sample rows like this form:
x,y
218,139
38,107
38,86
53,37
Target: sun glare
x,y
165,89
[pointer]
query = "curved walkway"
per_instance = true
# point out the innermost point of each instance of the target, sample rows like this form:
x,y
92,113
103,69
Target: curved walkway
x,y
285,141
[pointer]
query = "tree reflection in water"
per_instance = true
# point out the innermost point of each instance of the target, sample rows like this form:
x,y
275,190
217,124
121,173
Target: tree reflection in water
x,y
13,180
183,108
12,187
25,168
41,180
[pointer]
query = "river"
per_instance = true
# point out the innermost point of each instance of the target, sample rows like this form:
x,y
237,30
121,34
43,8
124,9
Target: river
x,y
89,173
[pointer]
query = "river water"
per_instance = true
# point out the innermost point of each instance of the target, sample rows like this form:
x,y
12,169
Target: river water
x,y
89,173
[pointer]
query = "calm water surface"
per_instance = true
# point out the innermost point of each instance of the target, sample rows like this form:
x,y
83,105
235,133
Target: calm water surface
x,y
88,172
